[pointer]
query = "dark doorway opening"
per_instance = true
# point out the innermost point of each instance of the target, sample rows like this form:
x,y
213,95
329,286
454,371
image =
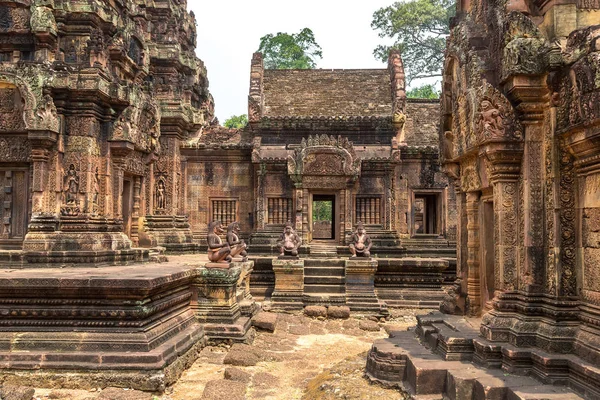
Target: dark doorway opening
x,y
127,198
323,216
426,214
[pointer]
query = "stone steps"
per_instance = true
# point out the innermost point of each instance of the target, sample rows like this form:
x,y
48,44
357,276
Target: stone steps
x,y
324,276
324,280
328,289
402,360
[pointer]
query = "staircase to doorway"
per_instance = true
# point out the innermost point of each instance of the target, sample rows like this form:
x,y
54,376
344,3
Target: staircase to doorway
x,y
324,280
323,248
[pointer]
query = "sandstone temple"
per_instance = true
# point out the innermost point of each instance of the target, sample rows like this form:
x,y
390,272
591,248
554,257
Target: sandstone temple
x,y
483,205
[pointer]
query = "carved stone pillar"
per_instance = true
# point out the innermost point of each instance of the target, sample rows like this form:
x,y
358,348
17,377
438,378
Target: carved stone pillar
x,y
531,96
260,197
42,143
473,254
504,162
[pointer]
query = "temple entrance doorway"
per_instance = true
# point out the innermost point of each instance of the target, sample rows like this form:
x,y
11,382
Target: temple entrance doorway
x,y
425,214
487,247
14,212
127,211
323,217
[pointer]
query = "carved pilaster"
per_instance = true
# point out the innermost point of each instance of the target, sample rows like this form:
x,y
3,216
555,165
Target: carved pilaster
x,y
531,95
504,164
42,143
473,253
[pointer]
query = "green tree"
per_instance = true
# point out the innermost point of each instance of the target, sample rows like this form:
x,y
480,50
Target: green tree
x,y
285,51
236,121
419,29
423,92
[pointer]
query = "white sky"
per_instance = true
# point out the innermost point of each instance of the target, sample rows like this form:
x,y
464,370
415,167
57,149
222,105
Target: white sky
x,y
229,31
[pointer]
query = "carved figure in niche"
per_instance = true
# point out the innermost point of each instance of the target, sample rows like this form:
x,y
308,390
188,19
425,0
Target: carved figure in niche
x,y
71,187
289,241
236,245
490,120
448,145
218,252
360,242
160,195
96,190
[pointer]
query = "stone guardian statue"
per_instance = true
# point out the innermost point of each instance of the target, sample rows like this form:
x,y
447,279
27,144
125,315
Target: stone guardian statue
x,y
289,242
218,252
237,246
360,243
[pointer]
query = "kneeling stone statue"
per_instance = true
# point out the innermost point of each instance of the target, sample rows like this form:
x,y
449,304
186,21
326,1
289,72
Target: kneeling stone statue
x,y
360,243
289,241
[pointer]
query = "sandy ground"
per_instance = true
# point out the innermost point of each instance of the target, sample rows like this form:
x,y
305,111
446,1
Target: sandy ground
x,y
305,358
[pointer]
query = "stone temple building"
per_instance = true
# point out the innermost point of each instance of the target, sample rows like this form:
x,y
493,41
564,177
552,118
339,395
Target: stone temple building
x,y
96,99
519,138
486,206
349,138
108,159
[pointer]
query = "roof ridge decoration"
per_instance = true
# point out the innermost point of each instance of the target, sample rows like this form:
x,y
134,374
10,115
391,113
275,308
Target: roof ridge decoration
x,y
256,97
398,84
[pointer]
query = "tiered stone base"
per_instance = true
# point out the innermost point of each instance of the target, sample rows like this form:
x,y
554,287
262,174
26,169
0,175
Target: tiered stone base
x,y
360,286
112,326
289,283
411,282
172,232
447,357
217,289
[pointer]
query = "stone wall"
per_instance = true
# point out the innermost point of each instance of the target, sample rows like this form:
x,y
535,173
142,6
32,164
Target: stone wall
x,y
326,92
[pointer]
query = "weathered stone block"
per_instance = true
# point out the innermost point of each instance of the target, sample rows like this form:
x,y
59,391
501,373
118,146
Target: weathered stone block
x,y
342,312
367,325
113,393
224,390
315,311
265,321
236,374
241,358
14,392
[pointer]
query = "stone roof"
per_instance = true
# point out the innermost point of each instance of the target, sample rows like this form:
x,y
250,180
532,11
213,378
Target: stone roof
x,y
324,92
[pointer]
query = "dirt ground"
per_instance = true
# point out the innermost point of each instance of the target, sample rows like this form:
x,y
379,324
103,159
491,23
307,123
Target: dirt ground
x,y
305,358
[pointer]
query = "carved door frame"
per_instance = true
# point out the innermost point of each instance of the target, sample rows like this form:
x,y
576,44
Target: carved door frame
x,y
338,218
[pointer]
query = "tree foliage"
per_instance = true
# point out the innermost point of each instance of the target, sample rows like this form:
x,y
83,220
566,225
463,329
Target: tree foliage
x,y
285,51
423,92
236,121
322,210
419,29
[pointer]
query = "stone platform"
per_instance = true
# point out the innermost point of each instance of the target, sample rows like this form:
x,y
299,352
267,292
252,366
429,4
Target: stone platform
x,y
446,357
129,326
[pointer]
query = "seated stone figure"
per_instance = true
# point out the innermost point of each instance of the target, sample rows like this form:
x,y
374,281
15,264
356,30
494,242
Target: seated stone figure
x,y
289,241
360,243
237,246
217,250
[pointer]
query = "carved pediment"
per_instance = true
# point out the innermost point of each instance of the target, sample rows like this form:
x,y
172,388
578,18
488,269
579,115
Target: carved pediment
x,y
495,118
140,126
324,156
